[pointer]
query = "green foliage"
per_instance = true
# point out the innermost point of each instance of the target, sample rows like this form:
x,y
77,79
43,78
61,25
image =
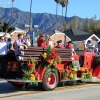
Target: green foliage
x,y
48,51
64,74
57,1
28,72
5,27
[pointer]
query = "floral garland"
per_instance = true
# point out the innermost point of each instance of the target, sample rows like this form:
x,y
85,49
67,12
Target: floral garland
x,y
29,72
71,72
50,58
86,73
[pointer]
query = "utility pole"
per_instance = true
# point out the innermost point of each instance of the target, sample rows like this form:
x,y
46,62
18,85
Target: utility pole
x,y
30,19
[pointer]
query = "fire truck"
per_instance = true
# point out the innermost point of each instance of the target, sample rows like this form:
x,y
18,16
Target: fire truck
x,y
48,72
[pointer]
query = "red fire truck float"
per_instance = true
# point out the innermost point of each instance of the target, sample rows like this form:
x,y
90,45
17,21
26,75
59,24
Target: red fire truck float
x,y
48,66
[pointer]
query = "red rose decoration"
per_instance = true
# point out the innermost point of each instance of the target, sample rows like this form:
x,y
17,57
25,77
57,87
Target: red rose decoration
x,y
30,66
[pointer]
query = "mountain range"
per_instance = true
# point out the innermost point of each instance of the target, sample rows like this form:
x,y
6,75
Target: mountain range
x,y
45,21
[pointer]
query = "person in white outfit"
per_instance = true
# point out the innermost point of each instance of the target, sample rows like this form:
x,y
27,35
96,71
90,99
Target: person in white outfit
x,y
3,57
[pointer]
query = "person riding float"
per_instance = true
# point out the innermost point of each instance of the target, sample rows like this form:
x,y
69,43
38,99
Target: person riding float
x,y
59,44
41,42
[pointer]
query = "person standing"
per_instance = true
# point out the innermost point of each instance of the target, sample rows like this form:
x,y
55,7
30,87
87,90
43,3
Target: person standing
x,y
3,57
19,42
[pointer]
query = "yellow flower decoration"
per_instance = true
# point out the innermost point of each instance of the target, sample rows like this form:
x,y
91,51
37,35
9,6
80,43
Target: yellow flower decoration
x,y
74,69
44,55
32,78
71,76
83,69
83,76
90,74
51,62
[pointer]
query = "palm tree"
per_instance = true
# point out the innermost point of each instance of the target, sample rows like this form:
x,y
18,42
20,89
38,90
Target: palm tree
x,y
66,9
57,2
63,4
30,19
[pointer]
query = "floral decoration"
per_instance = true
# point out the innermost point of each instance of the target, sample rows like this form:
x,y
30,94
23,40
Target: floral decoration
x,y
86,73
29,72
50,58
69,73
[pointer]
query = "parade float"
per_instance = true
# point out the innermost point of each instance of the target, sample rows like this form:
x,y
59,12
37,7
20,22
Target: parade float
x,y
48,66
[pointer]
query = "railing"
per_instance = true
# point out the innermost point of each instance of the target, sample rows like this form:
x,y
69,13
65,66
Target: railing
x,y
36,52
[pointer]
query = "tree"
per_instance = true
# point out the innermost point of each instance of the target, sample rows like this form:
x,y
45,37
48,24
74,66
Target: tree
x,y
70,24
75,22
63,4
57,2
87,26
7,28
66,9
93,25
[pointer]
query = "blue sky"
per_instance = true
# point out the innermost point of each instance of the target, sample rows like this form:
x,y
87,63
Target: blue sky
x,y
81,8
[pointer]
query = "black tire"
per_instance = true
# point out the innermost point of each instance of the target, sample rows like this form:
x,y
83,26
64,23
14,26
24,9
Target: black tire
x,y
19,85
54,84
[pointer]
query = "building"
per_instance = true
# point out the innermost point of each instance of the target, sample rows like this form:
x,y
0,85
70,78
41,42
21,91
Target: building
x,y
78,37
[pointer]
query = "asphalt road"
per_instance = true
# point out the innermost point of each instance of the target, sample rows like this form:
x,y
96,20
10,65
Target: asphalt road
x,y
89,91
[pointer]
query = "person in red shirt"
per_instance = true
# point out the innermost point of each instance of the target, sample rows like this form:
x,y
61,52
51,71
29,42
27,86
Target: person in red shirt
x,y
76,60
70,45
59,45
41,42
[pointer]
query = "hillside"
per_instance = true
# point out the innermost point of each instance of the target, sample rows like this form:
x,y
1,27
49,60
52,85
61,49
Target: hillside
x,y
45,21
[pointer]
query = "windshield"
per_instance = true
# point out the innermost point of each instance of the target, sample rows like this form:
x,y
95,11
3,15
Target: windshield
x,y
78,45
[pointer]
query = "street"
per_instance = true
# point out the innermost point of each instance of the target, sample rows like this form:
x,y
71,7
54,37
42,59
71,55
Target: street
x,y
68,92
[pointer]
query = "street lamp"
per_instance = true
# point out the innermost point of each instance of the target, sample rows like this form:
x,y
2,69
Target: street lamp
x,y
30,19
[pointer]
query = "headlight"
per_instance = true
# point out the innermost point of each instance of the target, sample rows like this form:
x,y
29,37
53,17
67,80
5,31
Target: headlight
x,y
19,58
22,52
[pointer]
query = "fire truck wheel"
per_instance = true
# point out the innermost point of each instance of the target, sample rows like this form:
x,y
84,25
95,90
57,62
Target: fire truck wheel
x,y
50,79
19,85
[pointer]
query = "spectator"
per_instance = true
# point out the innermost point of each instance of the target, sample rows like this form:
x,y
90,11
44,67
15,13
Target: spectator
x,y
3,57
